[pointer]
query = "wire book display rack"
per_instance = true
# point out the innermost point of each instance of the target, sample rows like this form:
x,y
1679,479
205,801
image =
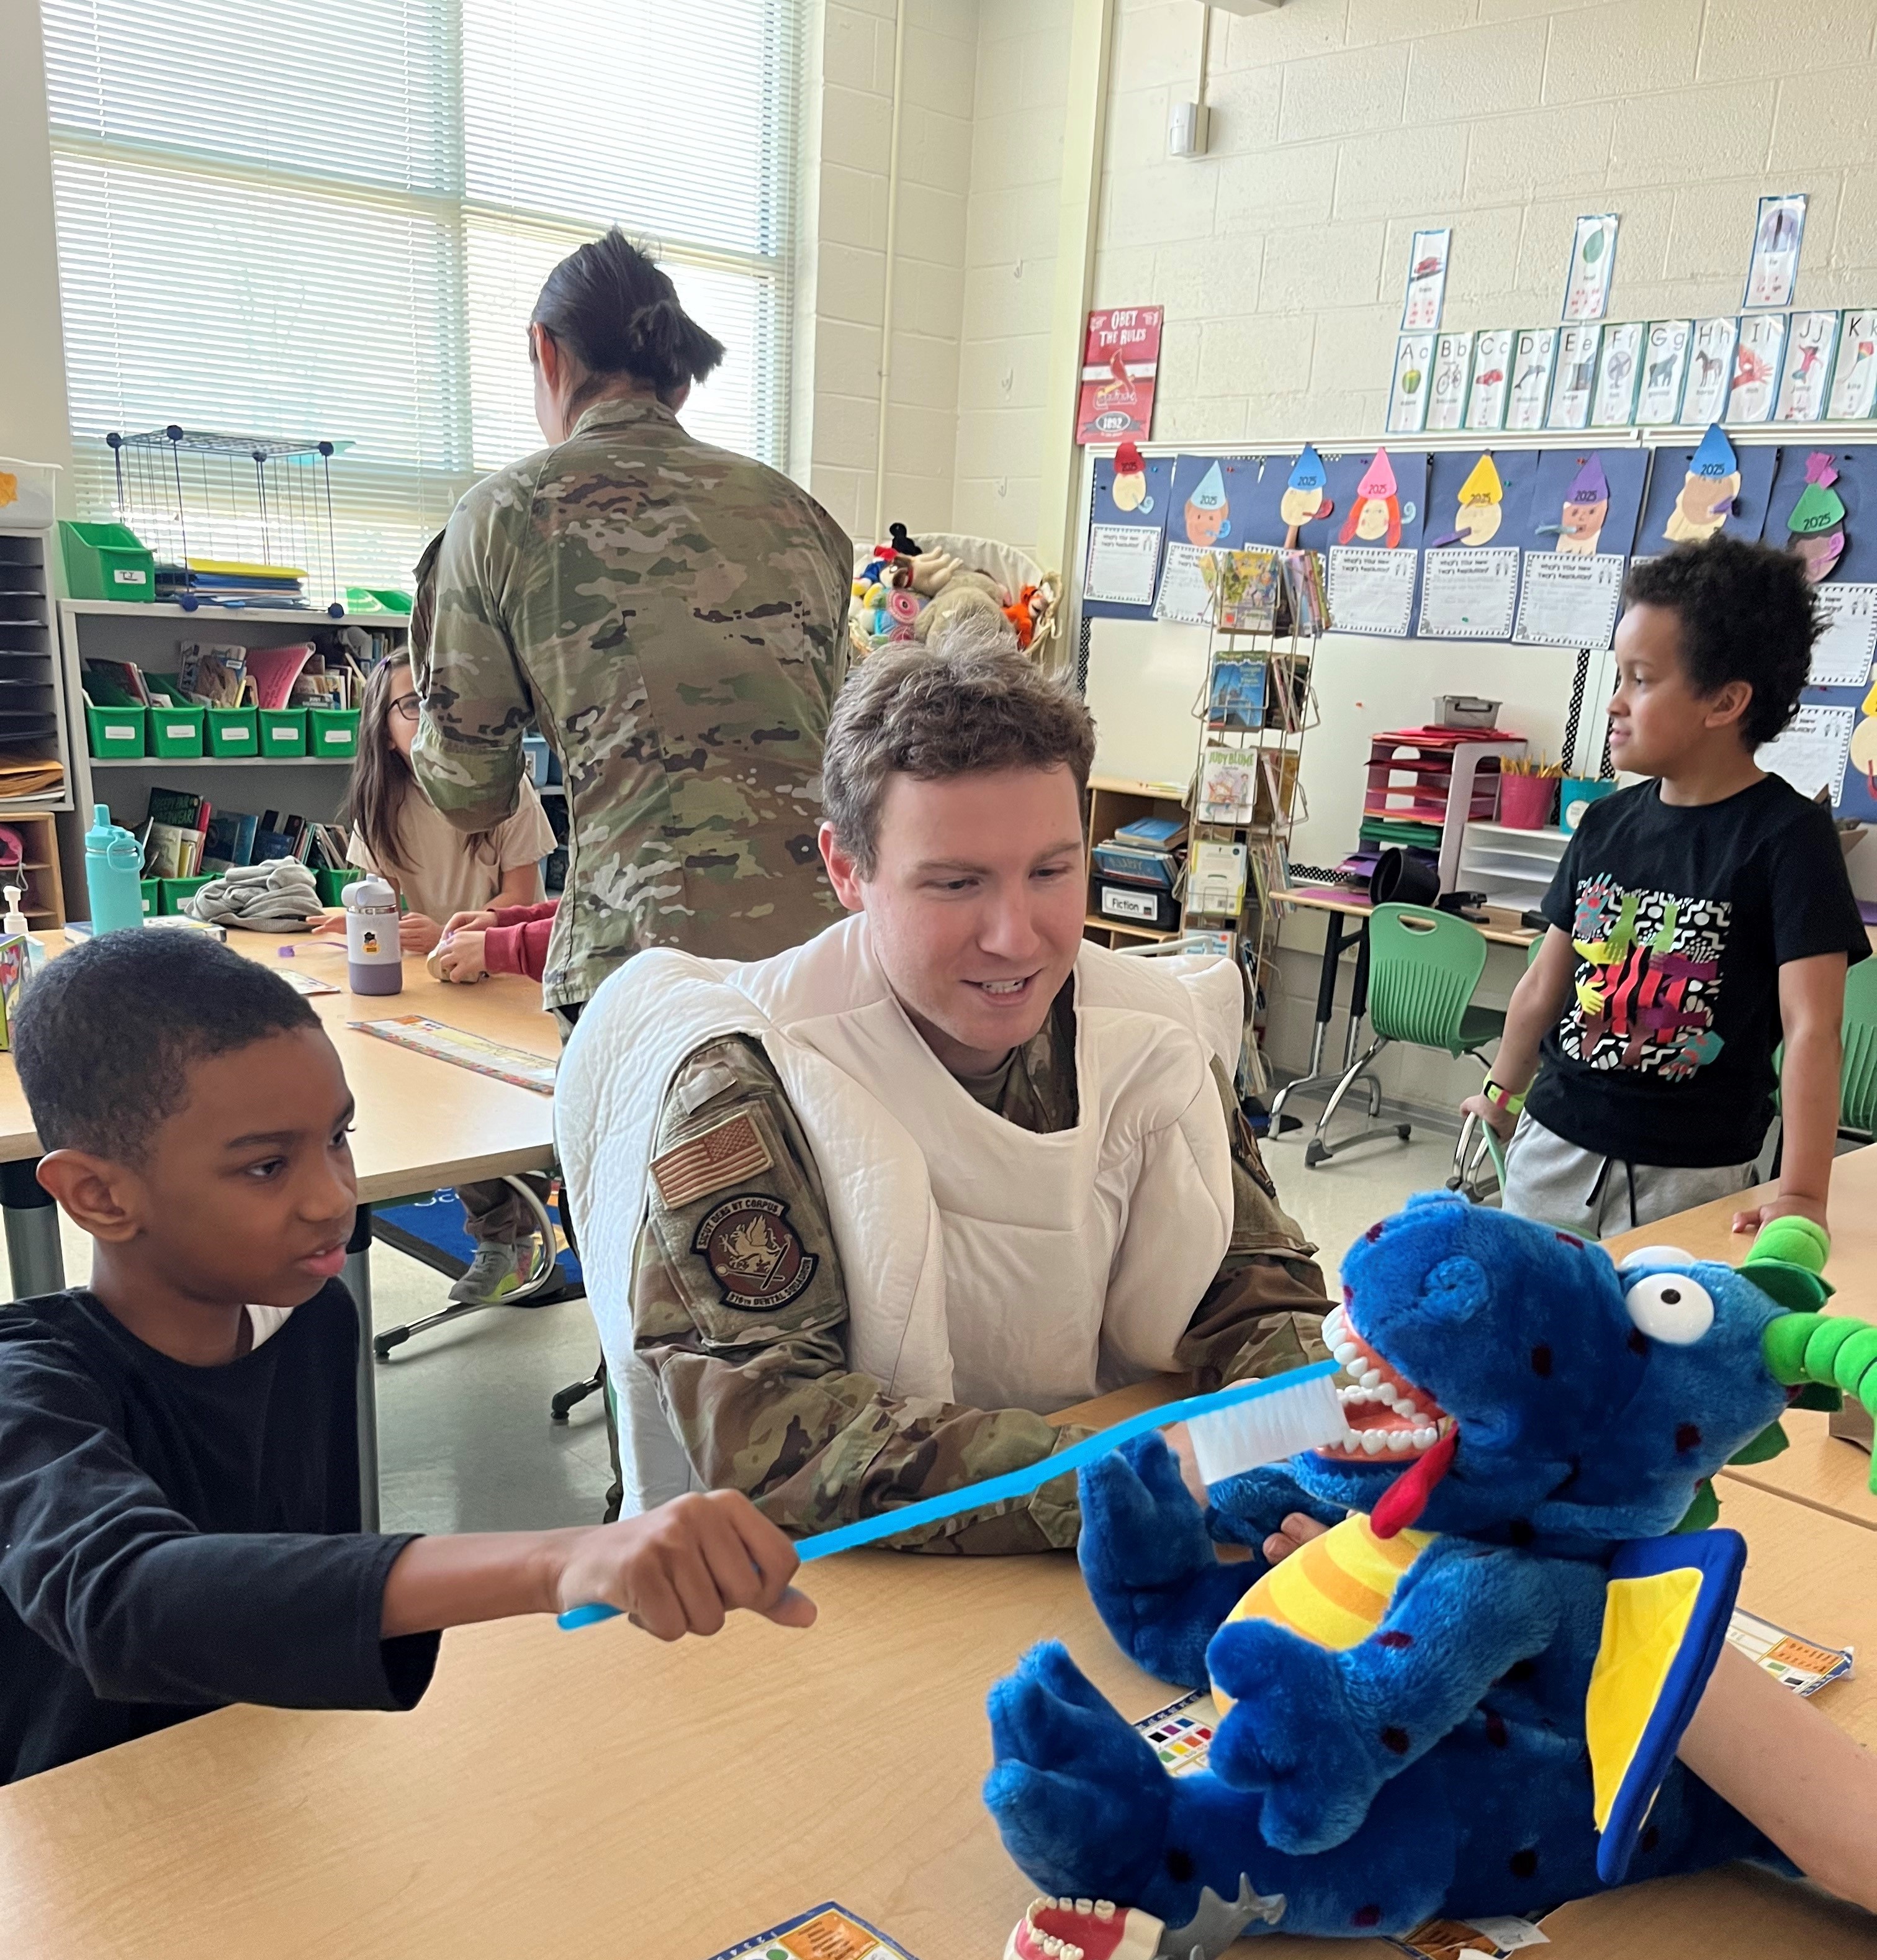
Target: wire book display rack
x,y
263,503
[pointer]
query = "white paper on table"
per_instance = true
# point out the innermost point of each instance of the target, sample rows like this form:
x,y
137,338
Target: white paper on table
x,y
1812,752
1185,596
1841,655
1122,561
1371,589
1469,594
1568,599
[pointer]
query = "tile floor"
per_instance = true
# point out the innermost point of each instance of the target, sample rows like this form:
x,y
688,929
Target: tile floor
x,y
466,1443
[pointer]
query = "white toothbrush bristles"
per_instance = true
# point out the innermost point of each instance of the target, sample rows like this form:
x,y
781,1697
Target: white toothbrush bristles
x,y
1267,1428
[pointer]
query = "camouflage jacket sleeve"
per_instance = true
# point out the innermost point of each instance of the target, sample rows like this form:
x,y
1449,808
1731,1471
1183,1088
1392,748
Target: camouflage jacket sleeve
x,y
1264,1312
738,1306
467,753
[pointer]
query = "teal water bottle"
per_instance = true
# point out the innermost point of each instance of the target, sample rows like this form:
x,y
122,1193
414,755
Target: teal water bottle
x,y
113,874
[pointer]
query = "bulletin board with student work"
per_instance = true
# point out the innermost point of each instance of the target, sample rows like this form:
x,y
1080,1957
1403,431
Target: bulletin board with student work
x,y
1513,551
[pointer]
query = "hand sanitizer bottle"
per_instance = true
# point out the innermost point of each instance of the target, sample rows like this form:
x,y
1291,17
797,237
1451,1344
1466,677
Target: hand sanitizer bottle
x,y
14,922
375,959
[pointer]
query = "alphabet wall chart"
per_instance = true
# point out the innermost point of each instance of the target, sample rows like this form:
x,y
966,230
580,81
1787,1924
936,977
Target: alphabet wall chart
x,y
1523,546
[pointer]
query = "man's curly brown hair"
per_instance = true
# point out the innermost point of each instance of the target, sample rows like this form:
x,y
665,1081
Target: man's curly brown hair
x,y
961,705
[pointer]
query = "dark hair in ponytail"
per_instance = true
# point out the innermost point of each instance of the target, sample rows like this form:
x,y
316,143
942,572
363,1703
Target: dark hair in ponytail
x,y
619,313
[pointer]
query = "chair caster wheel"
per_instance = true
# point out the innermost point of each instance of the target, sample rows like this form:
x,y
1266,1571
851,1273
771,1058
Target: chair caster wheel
x,y
383,1344
1313,1154
1404,1131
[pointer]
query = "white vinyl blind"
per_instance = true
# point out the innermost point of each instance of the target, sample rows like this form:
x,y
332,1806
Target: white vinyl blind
x,y
332,221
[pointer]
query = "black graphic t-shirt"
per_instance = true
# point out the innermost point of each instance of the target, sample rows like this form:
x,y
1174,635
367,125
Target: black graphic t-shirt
x,y
1681,918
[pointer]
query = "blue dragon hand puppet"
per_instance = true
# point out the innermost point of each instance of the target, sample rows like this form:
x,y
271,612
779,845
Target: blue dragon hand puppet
x,y
1464,1698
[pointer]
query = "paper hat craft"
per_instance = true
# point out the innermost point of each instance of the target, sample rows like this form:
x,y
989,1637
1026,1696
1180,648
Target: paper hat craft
x,y
1708,491
1374,512
1586,504
1479,509
1208,514
1130,488
1816,528
1306,495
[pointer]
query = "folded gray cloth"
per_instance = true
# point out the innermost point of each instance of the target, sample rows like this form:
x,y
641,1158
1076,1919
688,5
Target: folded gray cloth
x,y
278,896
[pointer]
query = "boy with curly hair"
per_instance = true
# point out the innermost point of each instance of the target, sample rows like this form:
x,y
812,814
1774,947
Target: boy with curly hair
x,y
1697,919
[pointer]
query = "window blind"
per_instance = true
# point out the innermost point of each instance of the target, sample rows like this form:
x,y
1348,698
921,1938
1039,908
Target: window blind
x,y
333,222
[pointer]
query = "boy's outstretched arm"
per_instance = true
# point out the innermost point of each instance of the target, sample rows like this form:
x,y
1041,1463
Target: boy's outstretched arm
x,y
1812,1008
675,1571
1787,1767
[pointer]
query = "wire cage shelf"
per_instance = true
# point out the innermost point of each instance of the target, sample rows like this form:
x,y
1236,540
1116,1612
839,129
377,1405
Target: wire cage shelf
x,y
256,511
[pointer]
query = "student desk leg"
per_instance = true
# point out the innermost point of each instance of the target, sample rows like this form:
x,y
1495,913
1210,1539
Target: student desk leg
x,y
357,1277
1341,931
33,1257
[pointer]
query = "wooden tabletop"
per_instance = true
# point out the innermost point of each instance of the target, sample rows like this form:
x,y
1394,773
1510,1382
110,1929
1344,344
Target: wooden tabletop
x,y
597,1792
1819,1470
422,1122
1355,907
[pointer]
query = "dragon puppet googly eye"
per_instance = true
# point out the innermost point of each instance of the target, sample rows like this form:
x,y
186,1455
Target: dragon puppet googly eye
x,y
1671,1307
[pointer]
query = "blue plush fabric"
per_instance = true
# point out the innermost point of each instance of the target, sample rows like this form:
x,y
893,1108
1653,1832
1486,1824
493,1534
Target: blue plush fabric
x,y
1440,1766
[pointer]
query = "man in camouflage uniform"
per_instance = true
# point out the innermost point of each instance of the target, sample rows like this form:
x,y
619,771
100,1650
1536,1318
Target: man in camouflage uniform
x,y
738,1299
671,617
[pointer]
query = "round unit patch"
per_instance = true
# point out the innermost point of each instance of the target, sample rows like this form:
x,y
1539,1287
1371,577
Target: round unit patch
x,y
754,1253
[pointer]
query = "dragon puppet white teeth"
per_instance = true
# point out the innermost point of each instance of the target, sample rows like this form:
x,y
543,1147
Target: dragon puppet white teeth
x,y
1387,1415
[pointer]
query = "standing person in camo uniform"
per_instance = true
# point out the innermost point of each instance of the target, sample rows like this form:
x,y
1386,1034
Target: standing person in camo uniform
x,y
671,616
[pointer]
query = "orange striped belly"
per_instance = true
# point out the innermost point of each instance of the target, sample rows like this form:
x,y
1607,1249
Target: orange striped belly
x,y
1335,1590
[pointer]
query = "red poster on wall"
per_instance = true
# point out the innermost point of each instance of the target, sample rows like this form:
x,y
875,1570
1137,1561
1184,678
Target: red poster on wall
x,y
1118,365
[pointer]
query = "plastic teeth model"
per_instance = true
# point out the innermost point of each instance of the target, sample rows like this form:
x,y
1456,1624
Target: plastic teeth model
x,y
1080,1929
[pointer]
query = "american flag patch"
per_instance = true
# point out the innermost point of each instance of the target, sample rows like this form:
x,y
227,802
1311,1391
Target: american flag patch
x,y
707,1164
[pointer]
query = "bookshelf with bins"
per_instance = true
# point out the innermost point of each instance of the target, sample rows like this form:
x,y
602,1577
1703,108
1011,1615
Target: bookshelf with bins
x,y
37,775
148,634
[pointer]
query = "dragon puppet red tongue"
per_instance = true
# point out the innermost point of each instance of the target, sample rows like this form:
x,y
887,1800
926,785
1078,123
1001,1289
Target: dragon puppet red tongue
x,y
1406,1498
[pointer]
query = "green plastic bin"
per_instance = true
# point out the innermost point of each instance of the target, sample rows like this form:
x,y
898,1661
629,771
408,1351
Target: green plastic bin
x,y
175,731
332,732
232,731
152,890
115,731
283,731
175,890
332,884
106,561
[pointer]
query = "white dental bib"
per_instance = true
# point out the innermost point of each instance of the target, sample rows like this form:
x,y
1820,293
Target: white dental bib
x,y
983,1264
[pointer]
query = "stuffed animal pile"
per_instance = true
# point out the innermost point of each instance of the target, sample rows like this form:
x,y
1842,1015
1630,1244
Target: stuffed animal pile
x,y
904,593
1439,1707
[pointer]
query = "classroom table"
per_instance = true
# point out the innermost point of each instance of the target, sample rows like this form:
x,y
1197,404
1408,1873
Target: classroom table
x,y
422,1123
598,1792
1347,924
1819,1470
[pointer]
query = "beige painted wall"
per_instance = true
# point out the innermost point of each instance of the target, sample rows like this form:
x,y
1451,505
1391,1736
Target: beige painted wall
x,y
854,117
32,371
1339,127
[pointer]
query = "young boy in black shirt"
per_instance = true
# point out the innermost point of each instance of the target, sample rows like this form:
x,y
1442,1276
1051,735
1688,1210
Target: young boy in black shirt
x,y
178,1481
1696,920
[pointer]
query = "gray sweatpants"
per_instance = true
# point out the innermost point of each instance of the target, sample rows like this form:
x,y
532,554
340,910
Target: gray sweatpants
x,y
1577,1190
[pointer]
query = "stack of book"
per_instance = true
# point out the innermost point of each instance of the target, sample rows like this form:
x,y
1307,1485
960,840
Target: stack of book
x,y
1138,872
230,582
185,836
213,676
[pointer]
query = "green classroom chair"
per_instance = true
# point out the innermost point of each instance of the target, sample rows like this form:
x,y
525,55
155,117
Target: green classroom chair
x,y
1857,1084
1423,967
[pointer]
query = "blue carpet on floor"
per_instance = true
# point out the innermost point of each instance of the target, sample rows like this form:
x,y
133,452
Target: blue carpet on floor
x,y
430,1228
